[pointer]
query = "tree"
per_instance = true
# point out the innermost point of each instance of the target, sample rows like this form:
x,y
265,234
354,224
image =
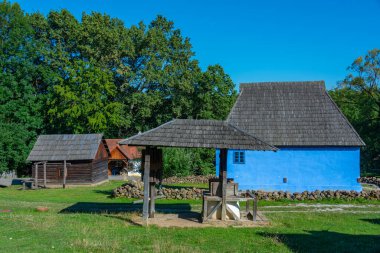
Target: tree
x,y
215,94
358,95
63,75
79,61
162,74
20,118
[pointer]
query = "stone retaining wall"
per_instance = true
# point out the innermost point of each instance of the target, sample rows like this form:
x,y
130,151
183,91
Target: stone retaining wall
x,y
370,180
188,179
135,189
317,195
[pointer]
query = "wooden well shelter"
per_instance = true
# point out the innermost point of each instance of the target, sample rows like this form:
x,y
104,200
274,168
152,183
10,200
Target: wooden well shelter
x,y
61,159
189,133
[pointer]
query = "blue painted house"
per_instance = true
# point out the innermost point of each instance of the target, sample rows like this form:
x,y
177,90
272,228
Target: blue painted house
x,y
318,147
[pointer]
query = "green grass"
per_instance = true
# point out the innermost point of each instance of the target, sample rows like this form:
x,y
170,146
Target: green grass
x,y
86,219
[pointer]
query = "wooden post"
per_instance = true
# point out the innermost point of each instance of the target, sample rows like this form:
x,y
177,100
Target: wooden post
x,y
36,175
64,174
255,209
45,174
152,195
146,185
223,179
205,214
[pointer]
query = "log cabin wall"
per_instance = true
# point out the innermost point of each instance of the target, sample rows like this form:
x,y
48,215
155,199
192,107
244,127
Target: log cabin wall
x,y
99,170
77,172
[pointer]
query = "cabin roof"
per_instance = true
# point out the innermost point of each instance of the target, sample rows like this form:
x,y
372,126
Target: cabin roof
x,y
59,147
198,134
292,114
129,152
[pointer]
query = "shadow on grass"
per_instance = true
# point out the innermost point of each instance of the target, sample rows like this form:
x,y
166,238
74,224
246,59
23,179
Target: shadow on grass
x,y
326,241
94,207
373,221
109,193
118,210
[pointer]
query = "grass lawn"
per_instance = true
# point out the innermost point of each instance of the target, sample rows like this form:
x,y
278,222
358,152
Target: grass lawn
x,y
86,219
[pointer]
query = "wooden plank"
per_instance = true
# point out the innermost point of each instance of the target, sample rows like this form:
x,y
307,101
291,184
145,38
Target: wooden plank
x,y
45,174
152,200
214,210
64,174
223,174
255,209
36,176
204,209
146,186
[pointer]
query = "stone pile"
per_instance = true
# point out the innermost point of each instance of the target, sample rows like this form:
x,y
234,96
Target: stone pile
x,y
317,195
188,179
370,180
131,189
135,189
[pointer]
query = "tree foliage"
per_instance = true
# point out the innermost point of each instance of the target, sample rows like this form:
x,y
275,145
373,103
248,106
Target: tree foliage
x,y
358,96
19,103
64,75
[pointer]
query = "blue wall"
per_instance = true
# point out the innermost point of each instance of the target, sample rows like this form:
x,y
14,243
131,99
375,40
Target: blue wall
x,y
305,169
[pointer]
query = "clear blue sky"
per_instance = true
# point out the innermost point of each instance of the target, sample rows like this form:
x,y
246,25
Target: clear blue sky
x,y
256,40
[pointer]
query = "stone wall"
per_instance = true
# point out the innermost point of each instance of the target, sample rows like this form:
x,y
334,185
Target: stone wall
x,y
188,179
135,189
370,180
317,195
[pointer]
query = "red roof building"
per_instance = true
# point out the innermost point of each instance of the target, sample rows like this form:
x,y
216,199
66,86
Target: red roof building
x,y
120,156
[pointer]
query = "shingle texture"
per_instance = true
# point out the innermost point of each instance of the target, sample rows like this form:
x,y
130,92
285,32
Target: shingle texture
x,y
292,114
59,147
198,134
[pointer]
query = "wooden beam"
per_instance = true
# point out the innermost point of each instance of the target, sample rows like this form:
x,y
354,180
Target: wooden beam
x,y
223,179
146,185
36,175
205,209
213,210
152,199
45,174
64,174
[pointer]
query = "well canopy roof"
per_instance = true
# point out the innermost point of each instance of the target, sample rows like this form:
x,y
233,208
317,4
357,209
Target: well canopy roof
x,y
292,114
59,147
198,134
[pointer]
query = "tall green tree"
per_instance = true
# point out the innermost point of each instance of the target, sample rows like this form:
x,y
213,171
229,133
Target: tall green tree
x,y
162,74
78,82
20,119
358,95
215,94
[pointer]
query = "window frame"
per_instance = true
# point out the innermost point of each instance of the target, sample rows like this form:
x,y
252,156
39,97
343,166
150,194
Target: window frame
x,y
239,157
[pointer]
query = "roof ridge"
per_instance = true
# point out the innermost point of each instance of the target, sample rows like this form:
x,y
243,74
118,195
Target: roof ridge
x,y
139,134
317,82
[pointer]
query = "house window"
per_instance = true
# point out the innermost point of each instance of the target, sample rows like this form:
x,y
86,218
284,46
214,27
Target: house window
x,y
239,157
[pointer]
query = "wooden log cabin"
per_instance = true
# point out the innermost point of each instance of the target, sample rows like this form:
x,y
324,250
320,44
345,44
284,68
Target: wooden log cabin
x,y
69,159
122,157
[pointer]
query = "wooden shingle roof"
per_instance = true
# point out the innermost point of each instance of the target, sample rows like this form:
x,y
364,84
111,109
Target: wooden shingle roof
x,y
59,147
198,134
292,114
